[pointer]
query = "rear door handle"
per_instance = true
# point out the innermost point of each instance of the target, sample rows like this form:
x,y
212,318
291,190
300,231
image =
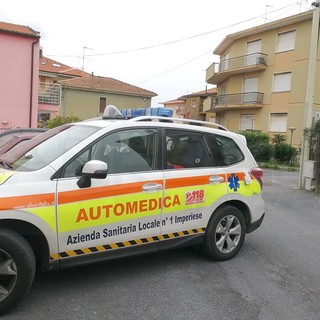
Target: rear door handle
x,y
215,180
151,187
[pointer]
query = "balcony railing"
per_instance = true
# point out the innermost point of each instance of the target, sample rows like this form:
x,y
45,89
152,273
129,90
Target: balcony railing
x,y
49,93
218,72
243,61
238,99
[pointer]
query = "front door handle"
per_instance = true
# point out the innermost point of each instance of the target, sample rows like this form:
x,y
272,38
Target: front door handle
x,y
151,187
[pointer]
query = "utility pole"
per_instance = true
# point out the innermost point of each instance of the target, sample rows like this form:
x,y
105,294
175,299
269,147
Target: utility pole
x,y
308,106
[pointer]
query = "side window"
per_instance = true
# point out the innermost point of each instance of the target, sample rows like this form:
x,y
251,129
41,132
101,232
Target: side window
x,y
185,149
225,151
124,151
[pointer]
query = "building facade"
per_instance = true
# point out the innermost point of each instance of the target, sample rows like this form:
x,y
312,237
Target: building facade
x,y
87,97
268,77
195,105
19,65
34,88
50,73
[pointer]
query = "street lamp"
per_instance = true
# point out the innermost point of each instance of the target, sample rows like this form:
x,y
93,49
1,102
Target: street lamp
x,y
291,130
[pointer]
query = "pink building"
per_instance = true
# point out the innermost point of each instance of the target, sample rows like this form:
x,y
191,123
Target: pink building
x,y
19,68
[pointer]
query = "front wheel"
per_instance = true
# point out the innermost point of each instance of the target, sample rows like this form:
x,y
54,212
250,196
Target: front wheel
x,y
225,233
17,268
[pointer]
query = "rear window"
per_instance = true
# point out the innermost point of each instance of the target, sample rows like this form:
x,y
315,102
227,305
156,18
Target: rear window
x,y
226,151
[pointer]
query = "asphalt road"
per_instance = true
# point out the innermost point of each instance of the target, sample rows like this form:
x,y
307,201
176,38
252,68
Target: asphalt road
x,y
275,276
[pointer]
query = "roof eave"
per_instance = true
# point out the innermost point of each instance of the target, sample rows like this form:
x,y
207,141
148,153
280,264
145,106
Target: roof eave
x,y
226,42
149,95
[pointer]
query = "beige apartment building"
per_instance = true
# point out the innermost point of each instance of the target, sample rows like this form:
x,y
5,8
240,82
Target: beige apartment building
x,y
268,78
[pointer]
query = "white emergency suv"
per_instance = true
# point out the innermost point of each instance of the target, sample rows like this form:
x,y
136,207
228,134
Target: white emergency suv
x,y
122,185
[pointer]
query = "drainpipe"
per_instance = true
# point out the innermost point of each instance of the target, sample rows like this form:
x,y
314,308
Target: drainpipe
x,y
31,80
308,107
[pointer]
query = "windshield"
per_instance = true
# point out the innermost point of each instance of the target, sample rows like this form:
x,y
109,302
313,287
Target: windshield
x,y
43,149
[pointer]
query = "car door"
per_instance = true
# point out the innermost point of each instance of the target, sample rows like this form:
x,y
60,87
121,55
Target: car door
x,y
195,185
118,215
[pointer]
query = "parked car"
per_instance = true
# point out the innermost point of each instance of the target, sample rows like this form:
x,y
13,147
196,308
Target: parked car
x,y
114,187
15,140
6,135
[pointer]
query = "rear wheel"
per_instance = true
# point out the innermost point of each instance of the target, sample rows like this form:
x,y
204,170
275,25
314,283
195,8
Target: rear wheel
x,y
225,233
17,268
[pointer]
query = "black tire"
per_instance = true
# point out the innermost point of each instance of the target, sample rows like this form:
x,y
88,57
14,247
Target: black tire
x,y
17,268
225,233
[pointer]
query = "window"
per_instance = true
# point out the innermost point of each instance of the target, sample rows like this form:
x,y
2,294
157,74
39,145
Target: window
x,y
247,122
123,151
286,41
278,122
250,88
224,64
103,104
185,150
282,82
253,48
225,151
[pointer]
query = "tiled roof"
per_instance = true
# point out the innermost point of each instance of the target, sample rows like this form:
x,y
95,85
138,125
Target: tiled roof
x,y
207,92
176,101
52,66
18,29
106,84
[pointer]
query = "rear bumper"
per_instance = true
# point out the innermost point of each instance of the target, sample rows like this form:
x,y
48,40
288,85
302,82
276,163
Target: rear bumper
x,y
255,225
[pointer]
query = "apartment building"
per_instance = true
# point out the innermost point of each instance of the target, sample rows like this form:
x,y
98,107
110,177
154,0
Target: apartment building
x,y
49,95
268,77
196,105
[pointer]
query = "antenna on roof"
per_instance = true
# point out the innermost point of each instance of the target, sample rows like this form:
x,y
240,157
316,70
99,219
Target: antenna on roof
x,y
84,56
266,13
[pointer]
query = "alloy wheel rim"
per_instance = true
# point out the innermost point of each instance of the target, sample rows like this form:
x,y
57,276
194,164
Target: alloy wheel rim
x,y
8,275
228,234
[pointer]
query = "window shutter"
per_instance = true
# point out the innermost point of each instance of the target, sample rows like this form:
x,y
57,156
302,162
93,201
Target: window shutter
x,y
286,41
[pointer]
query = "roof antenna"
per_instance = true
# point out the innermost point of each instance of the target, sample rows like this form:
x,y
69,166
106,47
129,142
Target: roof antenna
x,y
266,13
84,57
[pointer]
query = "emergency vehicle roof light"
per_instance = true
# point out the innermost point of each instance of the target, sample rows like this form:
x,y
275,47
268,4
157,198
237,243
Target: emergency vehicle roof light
x,y
112,112
140,112
148,114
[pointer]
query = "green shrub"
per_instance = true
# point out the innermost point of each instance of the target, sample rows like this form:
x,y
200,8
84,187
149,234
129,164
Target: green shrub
x,y
313,135
258,143
261,151
278,138
255,137
284,153
59,120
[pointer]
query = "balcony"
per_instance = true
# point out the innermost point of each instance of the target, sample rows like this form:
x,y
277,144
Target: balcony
x,y
237,101
49,93
219,72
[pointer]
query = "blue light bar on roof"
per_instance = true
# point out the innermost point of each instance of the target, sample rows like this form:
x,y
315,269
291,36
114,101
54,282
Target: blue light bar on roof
x,y
159,112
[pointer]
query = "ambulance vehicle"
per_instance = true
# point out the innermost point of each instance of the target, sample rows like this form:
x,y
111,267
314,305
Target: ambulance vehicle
x,y
120,186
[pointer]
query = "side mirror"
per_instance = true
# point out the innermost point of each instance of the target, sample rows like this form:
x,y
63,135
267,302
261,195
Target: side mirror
x,y
93,169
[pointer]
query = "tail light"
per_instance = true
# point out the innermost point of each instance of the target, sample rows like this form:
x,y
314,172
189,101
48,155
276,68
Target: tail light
x,y
258,175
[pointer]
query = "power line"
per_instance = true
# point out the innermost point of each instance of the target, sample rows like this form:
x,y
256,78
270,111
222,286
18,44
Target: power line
x,y
179,40
184,39
174,68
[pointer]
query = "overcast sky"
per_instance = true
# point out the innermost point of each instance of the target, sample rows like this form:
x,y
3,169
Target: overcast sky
x,y
163,46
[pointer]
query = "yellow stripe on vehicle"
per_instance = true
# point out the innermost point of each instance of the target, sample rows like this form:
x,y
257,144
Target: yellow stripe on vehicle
x,y
125,244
